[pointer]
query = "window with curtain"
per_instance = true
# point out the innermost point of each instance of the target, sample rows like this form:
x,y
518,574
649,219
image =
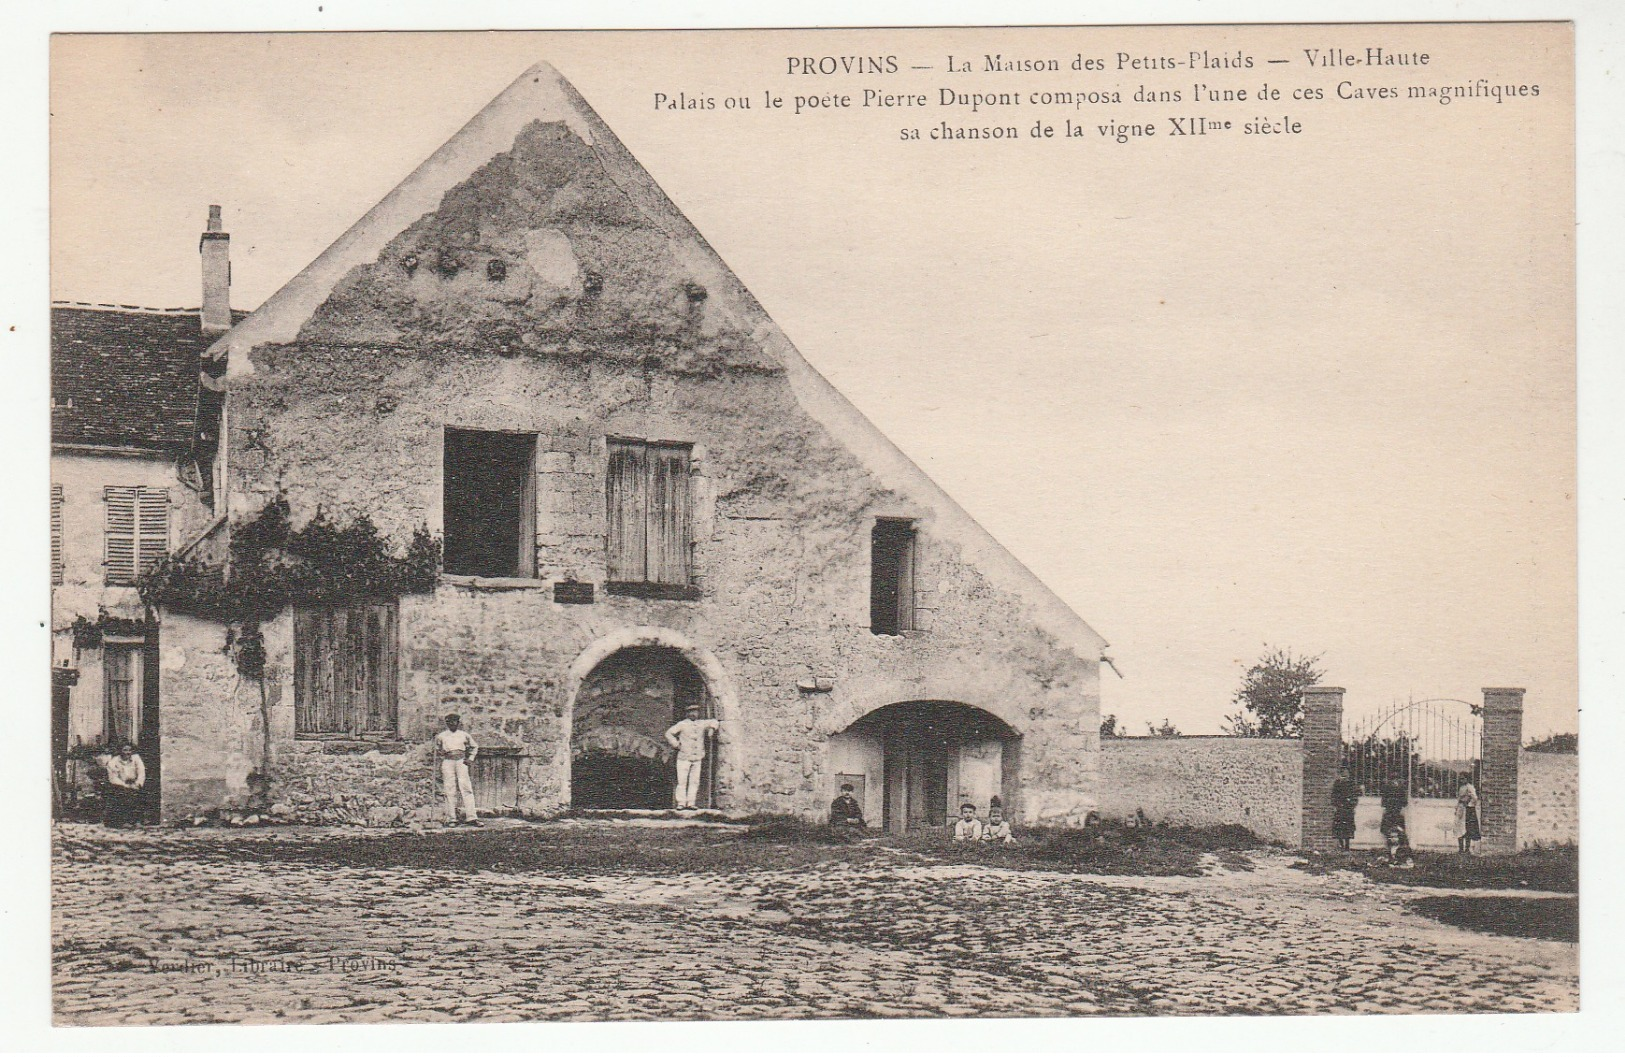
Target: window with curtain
x,y
649,512
345,670
121,691
137,536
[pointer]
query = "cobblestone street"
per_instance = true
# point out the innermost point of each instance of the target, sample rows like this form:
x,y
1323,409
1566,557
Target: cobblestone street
x,y
148,932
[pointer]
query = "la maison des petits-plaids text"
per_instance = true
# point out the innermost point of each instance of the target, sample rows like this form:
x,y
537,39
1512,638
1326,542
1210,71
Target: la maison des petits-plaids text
x,y
1118,97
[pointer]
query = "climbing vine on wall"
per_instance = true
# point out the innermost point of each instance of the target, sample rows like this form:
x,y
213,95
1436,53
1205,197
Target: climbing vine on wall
x,y
273,565
88,634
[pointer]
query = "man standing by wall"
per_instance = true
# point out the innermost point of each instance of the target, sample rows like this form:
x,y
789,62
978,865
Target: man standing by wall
x,y
688,736
455,749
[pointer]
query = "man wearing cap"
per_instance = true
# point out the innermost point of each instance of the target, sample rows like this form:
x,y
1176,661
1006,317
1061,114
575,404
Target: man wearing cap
x,y
845,809
455,748
688,736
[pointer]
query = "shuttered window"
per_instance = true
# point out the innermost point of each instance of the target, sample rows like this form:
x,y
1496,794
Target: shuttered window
x,y
137,530
56,533
649,511
345,670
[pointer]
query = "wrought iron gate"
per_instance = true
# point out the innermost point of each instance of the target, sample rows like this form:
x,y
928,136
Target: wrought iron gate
x,y
1428,748
1431,746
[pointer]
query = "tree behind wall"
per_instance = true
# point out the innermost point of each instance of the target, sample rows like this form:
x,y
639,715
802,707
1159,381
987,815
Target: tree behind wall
x,y
1271,695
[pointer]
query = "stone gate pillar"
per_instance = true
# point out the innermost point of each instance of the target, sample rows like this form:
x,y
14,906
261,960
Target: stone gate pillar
x,y
1499,741
1322,753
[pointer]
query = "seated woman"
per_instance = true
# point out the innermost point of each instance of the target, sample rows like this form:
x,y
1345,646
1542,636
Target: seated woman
x,y
126,775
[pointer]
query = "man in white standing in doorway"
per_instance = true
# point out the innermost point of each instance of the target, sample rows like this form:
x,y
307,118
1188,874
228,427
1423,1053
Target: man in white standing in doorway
x,y
456,749
688,737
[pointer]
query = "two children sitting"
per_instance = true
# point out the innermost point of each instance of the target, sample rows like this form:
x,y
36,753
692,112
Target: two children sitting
x,y
996,829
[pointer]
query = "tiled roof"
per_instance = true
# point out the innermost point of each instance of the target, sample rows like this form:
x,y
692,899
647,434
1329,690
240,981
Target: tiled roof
x,y
124,376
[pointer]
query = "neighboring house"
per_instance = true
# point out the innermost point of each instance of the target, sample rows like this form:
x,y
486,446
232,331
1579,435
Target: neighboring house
x,y
131,463
646,498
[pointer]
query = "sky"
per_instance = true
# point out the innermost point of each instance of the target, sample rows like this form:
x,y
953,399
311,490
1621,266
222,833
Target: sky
x,y
1312,391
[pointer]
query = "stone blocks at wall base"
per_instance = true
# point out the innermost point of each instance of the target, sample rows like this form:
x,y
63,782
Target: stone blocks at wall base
x,y
1206,781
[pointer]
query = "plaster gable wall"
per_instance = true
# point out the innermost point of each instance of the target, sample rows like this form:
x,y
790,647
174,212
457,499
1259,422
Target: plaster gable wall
x,y
346,413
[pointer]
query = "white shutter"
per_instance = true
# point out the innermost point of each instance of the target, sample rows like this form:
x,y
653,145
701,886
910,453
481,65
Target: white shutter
x,y
119,561
152,537
56,533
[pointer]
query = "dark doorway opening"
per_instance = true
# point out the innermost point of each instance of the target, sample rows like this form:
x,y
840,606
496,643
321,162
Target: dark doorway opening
x,y
605,781
489,503
937,754
619,757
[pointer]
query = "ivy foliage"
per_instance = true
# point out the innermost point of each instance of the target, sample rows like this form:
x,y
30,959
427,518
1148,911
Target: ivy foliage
x,y
88,634
273,565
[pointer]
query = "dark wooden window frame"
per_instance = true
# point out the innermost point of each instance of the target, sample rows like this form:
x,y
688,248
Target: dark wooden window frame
x,y
524,565
893,556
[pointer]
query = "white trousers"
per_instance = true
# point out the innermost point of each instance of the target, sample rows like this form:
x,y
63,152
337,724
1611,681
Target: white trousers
x,y
454,777
688,782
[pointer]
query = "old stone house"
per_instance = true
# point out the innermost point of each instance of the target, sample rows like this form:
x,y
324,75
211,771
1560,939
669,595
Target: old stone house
x,y
132,454
645,497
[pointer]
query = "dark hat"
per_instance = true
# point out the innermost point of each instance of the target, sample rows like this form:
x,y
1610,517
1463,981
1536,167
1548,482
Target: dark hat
x,y
846,787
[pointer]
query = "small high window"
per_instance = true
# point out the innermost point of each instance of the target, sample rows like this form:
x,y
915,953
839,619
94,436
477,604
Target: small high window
x,y
490,503
891,577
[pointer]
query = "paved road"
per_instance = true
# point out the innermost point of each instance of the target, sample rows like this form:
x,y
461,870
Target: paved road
x,y
217,940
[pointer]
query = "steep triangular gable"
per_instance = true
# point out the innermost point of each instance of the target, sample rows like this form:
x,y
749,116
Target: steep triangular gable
x,y
360,288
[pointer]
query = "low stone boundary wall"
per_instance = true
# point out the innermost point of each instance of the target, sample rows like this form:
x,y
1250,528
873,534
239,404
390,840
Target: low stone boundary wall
x,y
1206,781
1548,798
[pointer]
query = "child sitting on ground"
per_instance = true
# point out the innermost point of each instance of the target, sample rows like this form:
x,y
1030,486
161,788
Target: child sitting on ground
x,y
968,827
997,829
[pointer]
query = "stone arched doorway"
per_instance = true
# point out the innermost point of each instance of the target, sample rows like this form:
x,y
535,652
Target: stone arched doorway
x,y
913,763
619,757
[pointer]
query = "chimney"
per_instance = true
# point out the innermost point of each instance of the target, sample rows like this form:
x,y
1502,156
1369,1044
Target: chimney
x,y
215,246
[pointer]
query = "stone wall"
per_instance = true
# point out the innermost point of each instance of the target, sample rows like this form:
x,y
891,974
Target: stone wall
x,y
1206,781
539,298
1548,798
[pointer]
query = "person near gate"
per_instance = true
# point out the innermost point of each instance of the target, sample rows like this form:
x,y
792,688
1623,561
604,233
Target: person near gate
x,y
455,749
1396,797
1345,795
126,775
1468,831
689,736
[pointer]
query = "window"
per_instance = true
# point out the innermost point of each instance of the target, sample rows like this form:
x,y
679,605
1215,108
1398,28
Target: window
x,y
344,671
121,691
490,503
891,577
137,530
56,533
648,506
